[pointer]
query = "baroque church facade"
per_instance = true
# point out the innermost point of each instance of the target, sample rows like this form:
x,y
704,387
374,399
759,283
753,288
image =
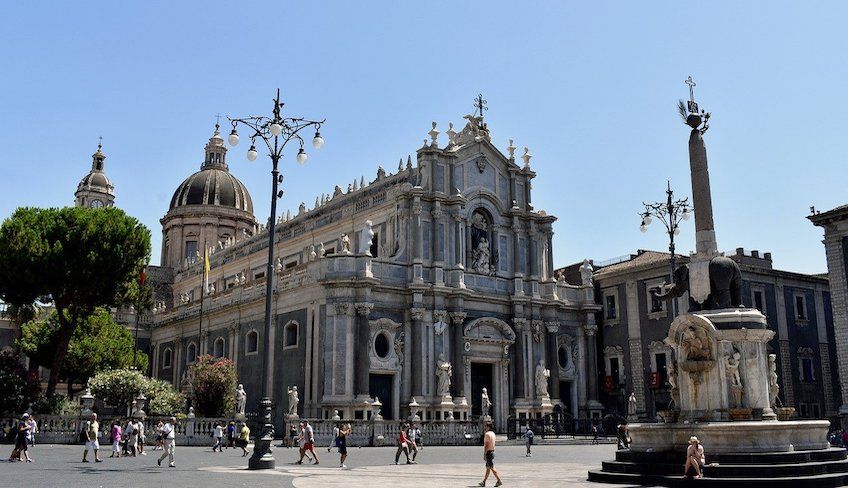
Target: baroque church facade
x,y
420,287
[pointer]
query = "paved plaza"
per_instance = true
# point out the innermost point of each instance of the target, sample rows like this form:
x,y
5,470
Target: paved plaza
x,y
59,466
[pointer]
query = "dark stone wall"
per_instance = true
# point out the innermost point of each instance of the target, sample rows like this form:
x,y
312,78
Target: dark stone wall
x,y
288,364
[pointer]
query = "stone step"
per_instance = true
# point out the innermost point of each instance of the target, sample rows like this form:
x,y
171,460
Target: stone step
x,y
793,457
730,470
817,481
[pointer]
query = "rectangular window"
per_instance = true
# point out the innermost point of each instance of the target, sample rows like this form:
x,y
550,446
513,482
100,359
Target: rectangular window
x,y
800,307
661,372
191,249
759,301
807,372
375,245
290,264
803,413
259,276
610,306
614,372
815,410
329,251
657,304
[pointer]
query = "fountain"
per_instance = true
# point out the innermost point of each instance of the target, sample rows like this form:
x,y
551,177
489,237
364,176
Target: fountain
x,y
724,381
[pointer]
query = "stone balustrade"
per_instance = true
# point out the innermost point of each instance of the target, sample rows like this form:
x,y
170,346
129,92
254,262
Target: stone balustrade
x,y
62,429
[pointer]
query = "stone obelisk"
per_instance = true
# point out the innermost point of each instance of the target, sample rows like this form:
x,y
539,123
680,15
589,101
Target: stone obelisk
x,y
705,240
706,247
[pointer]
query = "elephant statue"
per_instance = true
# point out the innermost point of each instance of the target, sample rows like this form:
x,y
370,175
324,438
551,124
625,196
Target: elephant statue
x,y
725,285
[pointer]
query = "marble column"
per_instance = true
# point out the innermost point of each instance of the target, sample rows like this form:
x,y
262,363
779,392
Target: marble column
x,y
155,352
591,328
551,329
520,326
176,358
456,357
362,349
416,361
418,243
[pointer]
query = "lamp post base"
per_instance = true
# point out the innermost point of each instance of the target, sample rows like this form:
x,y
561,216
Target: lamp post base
x,y
262,457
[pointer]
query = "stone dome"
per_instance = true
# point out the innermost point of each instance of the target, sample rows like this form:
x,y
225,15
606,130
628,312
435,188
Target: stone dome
x,y
213,184
96,180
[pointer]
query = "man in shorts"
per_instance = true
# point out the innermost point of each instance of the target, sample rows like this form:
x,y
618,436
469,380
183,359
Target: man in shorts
x,y
309,442
489,455
91,430
341,442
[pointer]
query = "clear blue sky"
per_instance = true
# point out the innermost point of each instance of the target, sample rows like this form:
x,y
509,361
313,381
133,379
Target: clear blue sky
x,y
590,87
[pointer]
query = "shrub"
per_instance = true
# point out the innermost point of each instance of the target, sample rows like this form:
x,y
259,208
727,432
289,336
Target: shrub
x,y
120,387
19,387
214,381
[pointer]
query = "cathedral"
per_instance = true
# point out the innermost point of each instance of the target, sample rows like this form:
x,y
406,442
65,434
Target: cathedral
x,y
424,289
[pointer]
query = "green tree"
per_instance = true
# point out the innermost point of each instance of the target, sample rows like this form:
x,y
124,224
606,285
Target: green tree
x,y
98,343
19,387
80,257
121,386
214,381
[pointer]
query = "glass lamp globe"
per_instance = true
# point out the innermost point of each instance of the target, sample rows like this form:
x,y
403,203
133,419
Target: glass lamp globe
x,y
317,141
252,154
233,139
276,129
685,215
677,231
301,156
643,228
647,219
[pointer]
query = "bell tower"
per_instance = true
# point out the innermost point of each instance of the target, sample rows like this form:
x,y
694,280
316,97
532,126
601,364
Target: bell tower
x,y
95,190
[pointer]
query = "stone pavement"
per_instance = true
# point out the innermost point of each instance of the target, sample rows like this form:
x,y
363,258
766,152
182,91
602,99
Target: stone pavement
x,y
442,467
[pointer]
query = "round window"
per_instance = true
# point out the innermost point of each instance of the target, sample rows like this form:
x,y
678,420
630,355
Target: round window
x,y
562,357
381,345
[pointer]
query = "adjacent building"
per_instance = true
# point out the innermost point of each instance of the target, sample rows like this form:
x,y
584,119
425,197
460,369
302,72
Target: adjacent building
x,y
633,324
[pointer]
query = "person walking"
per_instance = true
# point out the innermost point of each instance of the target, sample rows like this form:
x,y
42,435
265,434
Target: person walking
x,y
334,442
308,442
116,438
92,431
528,440
132,440
403,444
244,438
301,445
231,434
139,425
126,431
33,428
21,442
160,444
218,437
410,441
489,455
169,438
341,442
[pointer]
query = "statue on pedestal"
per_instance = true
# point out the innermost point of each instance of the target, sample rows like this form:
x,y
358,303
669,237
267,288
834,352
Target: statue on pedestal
x,y
293,401
345,244
241,400
774,386
481,256
542,375
586,271
443,372
366,238
485,403
631,406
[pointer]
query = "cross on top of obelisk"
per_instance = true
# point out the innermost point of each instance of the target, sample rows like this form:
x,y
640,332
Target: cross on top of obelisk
x,y
479,105
693,106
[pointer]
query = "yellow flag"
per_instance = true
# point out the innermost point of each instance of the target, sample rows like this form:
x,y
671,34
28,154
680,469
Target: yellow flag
x,y
205,270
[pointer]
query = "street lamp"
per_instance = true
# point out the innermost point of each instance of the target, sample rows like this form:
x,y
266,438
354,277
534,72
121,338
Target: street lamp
x,y
276,132
670,213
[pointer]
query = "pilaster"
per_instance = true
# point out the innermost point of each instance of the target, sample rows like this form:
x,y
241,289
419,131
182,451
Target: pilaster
x,y
417,365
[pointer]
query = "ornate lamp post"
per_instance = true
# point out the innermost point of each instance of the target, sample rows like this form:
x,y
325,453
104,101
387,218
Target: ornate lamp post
x,y
275,132
670,213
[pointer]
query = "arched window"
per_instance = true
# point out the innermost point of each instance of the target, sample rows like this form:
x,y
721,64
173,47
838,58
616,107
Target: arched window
x,y
191,353
166,358
251,342
218,348
290,334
